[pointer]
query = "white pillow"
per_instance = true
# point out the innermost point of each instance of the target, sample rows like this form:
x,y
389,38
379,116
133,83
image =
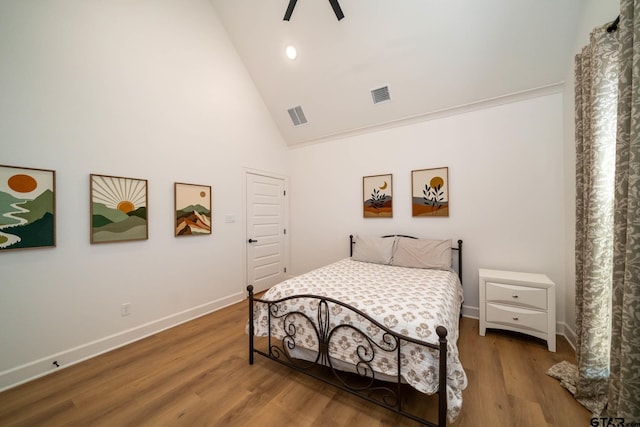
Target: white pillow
x,y
378,250
422,253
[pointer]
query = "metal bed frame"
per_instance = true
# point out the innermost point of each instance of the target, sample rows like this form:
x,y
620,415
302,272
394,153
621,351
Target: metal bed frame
x,y
364,383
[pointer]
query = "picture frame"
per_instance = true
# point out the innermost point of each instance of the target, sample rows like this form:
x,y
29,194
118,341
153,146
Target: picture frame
x,y
377,196
193,212
27,208
118,209
430,192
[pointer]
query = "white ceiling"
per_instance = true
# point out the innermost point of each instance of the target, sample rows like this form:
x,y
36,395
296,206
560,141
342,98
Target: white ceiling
x,y
434,55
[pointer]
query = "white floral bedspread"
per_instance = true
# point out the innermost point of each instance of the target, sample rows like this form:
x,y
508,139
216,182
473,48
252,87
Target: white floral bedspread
x,y
409,301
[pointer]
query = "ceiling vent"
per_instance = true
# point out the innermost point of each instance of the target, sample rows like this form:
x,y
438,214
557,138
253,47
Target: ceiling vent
x,y
297,116
380,94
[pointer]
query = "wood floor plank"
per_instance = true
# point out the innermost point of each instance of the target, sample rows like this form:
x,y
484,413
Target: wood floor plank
x,y
517,378
526,413
197,374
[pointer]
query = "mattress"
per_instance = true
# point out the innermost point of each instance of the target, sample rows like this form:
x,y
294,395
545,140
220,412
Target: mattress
x,y
409,301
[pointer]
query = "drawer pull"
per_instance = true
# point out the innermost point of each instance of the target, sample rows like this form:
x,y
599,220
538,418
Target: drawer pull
x,y
515,296
515,318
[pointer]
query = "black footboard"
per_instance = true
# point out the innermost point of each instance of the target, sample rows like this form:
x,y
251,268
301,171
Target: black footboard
x,y
363,381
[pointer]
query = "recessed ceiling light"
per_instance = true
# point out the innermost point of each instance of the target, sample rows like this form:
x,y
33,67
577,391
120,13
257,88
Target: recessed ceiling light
x,y
291,52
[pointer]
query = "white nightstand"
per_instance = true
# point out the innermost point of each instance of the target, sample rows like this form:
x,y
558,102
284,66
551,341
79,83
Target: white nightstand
x,y
520,302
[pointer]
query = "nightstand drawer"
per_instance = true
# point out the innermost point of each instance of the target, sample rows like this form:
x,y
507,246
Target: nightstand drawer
x,y
517,317
518,295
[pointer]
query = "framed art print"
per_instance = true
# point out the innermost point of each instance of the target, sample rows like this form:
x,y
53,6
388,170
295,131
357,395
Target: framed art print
x,y
118,209
430,192
27,208
193,209
377,196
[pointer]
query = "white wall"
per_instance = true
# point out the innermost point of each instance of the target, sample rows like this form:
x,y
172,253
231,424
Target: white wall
x,y
597,13
506,173
148,89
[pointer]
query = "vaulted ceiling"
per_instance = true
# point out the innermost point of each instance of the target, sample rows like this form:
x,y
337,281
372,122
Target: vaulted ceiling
x,y
432,55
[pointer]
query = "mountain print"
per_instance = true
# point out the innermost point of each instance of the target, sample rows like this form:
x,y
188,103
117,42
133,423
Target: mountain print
x,y
193,220
27,208
193,209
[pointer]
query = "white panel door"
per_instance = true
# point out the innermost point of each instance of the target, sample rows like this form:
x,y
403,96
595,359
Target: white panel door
x,y
265,231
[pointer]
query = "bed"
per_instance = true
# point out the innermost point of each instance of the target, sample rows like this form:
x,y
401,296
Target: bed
x,y
373,324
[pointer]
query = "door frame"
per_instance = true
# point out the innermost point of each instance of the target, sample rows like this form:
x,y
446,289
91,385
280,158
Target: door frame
x,y
286,252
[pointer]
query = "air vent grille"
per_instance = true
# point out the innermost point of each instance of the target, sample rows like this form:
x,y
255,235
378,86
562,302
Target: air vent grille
x,y
380,94
297,116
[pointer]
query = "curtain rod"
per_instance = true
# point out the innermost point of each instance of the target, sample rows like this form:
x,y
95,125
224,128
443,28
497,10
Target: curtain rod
x,y
614,25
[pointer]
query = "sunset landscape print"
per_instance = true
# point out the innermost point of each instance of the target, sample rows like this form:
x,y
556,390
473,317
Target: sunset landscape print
x,y
118,209
27,208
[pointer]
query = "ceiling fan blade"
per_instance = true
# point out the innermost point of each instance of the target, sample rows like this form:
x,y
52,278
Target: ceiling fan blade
x,y
287,14
336,9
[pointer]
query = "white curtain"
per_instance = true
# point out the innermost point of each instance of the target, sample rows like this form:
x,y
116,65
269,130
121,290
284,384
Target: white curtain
x,y
596,99
607,93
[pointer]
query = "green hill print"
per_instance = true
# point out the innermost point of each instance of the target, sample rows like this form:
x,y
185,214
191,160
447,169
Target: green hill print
x,y
113,215
38,207
39,233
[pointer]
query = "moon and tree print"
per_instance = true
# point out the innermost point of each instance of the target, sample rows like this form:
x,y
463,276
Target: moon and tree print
x,y
118,209
377,196
430,192
193,209
27,208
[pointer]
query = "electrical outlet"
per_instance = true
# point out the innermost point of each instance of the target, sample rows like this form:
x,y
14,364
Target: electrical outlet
x,y
125,309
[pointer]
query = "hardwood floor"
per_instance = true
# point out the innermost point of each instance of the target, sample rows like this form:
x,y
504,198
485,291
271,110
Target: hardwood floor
x,y
197,374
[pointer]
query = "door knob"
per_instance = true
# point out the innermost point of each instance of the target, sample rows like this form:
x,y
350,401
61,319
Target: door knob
x,y
252,241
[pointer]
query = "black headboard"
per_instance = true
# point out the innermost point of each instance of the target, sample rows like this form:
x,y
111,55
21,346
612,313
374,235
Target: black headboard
x,y
458,248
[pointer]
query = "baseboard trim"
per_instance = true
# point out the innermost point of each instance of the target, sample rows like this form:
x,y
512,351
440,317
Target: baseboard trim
x,y
561,327
564,330
471,312
44,366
